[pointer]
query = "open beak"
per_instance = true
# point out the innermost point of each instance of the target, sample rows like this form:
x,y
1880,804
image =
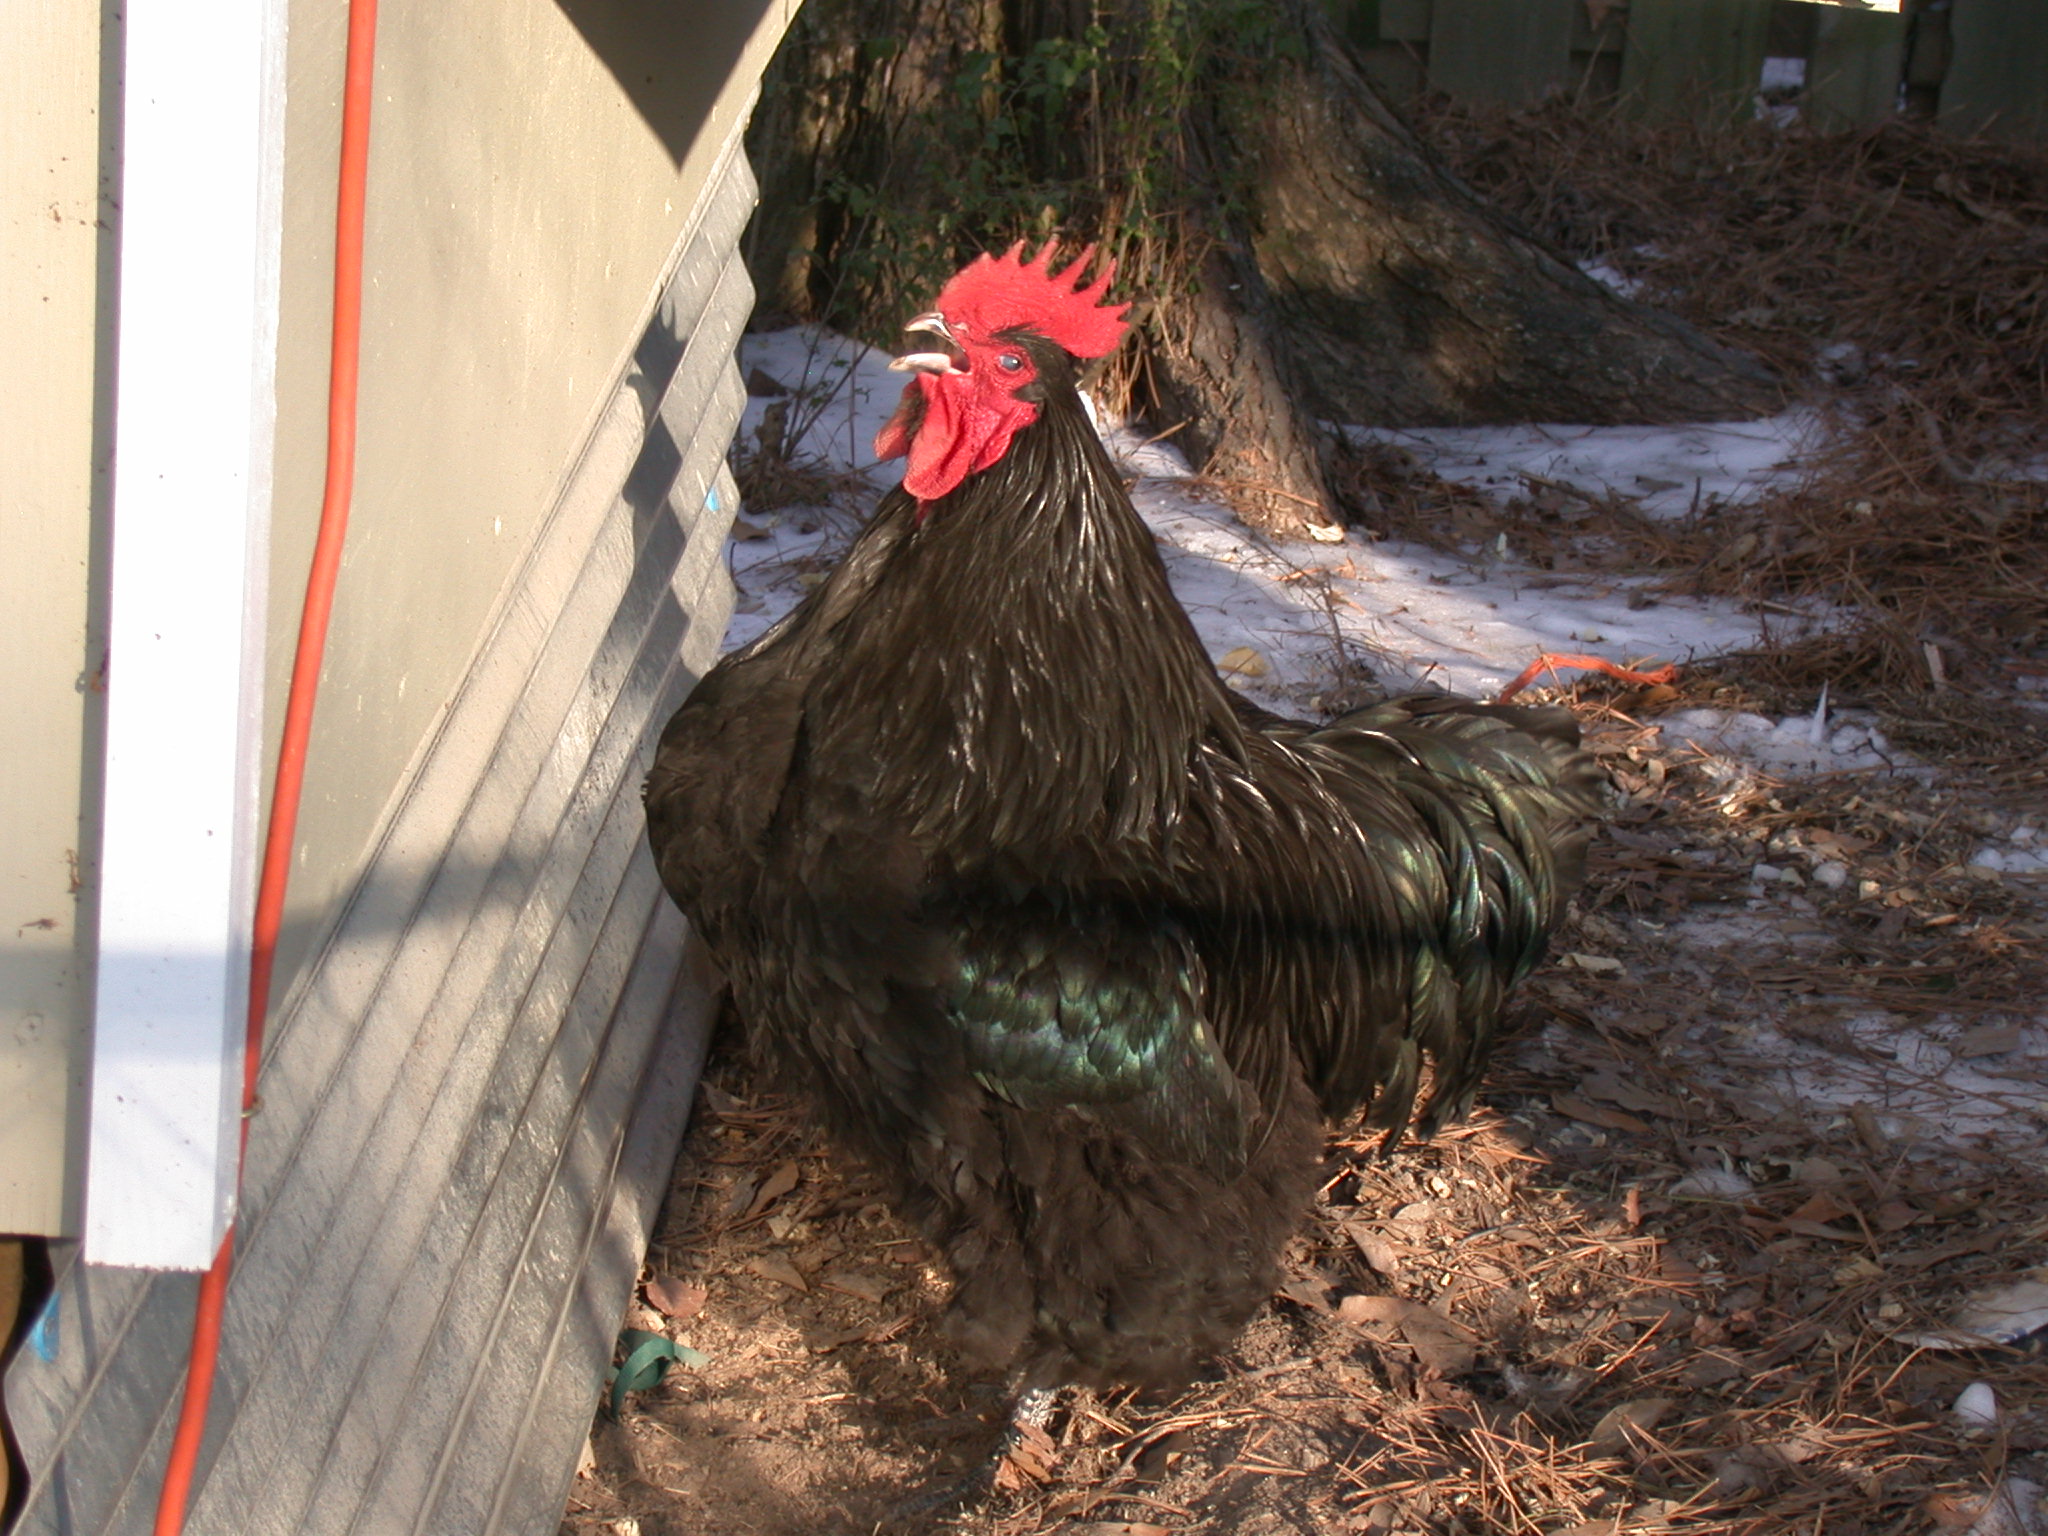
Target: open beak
x,y
948,361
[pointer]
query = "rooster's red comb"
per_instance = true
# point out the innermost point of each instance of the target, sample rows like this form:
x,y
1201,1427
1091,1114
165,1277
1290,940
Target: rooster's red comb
x,y
1000,293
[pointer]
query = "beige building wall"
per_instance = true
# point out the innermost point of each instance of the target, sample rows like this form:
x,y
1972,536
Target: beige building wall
x,y
533,165
52,218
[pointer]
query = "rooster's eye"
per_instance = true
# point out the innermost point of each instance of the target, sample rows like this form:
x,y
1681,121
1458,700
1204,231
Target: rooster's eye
x,y
1009,362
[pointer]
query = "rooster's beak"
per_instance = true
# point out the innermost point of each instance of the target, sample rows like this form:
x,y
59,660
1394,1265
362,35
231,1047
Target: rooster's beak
x,y
929,362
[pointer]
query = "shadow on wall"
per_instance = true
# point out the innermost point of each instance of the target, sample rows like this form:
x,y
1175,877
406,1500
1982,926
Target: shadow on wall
x,y
672,60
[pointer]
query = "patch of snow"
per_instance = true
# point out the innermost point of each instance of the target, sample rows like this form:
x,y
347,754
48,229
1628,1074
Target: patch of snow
x,y
2013,858
1919,1091
1783,75
1143,457
1424,618
1610,277
1669,471
1797,744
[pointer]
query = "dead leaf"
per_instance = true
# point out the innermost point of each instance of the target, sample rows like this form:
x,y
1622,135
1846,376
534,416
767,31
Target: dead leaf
x,y
1028,1460
1244,661
1896,1216
870,1288
676,1299
741,1196
1121,1528
719,1102
773,1266
1818,1170
1309,1293
1610,1089
1599,965
744,530
1986,1040
1440,1345
1795,1451
1381,1257
777,1184
1823,1207
1618,1426
1841,846
1710,1368
825,1342
1819,1229
1594,1114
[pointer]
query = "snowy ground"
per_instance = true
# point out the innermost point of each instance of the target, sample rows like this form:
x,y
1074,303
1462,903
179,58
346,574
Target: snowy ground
x,y
1294,625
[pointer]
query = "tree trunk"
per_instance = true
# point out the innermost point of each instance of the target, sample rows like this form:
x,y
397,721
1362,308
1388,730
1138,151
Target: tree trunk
x,y
1405,300
1304,258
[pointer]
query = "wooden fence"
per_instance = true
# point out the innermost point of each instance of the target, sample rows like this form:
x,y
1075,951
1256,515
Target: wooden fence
x,y
1981,65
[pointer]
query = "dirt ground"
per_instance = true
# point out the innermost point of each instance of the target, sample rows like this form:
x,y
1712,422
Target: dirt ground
x,y
1759,1134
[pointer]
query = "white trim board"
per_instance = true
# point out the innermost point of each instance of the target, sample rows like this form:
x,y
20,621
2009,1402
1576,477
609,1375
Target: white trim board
x,y
195,407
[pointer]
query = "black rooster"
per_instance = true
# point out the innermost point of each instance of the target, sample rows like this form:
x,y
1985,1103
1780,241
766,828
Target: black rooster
x,y
1074,945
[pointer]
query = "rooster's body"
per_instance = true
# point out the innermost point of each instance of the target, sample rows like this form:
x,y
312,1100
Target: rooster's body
x,y
1072,945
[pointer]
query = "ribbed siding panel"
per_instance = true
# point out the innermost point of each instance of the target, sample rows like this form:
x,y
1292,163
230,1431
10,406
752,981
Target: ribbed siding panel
x,y
471,1101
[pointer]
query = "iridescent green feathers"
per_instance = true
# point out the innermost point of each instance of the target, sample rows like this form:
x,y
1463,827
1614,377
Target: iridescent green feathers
x,y
1101,1012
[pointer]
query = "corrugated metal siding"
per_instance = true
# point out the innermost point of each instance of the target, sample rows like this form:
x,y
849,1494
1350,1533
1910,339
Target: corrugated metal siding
x,y
473,1098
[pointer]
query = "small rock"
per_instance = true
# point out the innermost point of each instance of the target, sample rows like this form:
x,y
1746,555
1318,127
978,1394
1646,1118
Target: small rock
x,y
1765,874
1977,1406
1830,875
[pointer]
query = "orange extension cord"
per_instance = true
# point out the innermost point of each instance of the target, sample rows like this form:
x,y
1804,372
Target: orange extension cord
x,y
298,712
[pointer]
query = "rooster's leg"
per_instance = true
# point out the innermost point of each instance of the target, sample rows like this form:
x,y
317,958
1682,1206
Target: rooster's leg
x,y
1022,1455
